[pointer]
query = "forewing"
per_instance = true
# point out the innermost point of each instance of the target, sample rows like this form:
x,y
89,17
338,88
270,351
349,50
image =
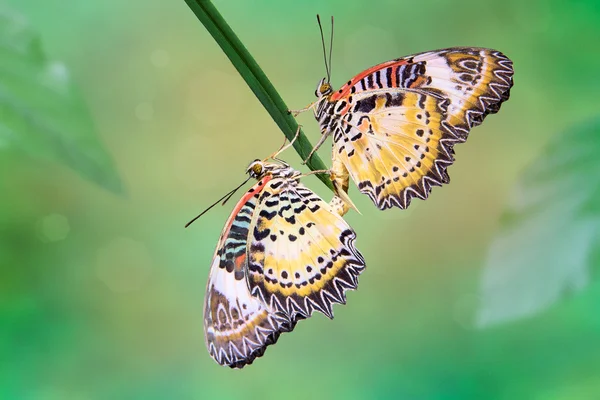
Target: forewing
x,y
397,122
237,326
302,255
475,80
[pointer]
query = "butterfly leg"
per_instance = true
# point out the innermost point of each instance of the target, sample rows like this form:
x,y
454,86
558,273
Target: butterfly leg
x,y
319,143
284,147
318,171
295,113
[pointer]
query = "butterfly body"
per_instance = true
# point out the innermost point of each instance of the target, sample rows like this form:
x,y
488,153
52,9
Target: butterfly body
x,y
394,125
282,255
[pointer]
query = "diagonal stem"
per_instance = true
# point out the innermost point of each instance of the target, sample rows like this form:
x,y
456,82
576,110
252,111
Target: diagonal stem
x,y
256,79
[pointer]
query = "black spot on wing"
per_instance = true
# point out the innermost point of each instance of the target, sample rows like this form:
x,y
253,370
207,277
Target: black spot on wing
x,y
284,209
378,79
300,209
272,203
260,235
365,105
314,208
393,100
268,215
388,75
370,81
275,185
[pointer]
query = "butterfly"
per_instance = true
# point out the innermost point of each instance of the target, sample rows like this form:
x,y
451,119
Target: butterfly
x,y
394,125
283,254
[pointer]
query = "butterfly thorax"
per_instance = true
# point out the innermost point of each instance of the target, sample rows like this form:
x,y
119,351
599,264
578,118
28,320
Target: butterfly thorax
x,y
259,169
324,108
326,115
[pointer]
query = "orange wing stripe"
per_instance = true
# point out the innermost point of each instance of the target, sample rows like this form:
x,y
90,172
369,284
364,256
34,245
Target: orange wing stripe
x,y
344,90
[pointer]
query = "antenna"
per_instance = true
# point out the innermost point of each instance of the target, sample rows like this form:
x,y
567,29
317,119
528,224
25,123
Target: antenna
x,y
324,51
330,48
226,197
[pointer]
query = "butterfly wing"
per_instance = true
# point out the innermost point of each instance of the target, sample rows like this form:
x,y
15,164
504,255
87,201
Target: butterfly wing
x,y
396,151
395,125
302,254
238,326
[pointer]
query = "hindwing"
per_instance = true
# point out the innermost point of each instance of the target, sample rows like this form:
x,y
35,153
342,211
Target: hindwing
x,y
238,326
302,256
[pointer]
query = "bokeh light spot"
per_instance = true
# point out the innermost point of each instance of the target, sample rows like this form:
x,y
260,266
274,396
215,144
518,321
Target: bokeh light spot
x,y
53,228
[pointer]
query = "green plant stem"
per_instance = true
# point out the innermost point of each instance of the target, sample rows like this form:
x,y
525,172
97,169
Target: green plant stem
x,y
256,79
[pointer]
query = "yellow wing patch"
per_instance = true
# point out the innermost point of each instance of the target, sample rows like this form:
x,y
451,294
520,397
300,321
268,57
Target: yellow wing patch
x,y
301,256
396,151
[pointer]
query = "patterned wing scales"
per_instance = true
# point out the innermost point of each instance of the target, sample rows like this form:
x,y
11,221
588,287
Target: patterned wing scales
x,y
302,255
396,147
238,327
397,122
476,80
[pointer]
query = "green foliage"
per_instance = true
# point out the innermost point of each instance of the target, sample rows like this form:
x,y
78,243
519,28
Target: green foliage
x,y
41,113
545,248
256,79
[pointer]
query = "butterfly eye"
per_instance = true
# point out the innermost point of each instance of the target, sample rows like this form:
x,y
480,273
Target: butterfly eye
x,y
257,169
325,88
320,87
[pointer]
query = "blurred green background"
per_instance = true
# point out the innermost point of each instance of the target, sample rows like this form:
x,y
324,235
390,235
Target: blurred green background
x,y
101,290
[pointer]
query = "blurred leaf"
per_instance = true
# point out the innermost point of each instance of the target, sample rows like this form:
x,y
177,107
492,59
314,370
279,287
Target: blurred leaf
x,y
41,113
545,247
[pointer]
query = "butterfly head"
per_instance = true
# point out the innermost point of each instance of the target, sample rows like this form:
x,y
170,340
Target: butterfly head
x,y
323,88
258,169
